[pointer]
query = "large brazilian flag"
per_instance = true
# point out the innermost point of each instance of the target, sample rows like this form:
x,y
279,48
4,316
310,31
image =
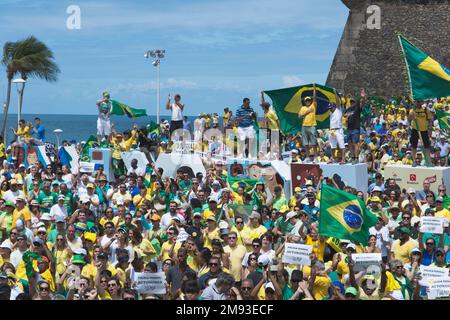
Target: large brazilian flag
x,y
344,216
287,102
121,109
428,79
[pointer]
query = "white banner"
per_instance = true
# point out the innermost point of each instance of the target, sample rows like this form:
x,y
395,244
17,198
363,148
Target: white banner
x,y
151,283
430,274
87,167
365,260
440,288
431,225
297,254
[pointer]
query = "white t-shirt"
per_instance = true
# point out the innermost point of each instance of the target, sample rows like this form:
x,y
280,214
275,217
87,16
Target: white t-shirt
x,y
177,114
12,195
382,239
336,119
167,217
56,211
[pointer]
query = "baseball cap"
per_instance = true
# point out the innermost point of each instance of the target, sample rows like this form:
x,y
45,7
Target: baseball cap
x,y
430,210
255,215
46,217
42,229
216,182
376,188
90,185
351,246
87,200
155,217
20,198
6,245
298,189
78,258
269,285
223,225
211,199
61,197
411,190
351,290
197,214
34,203
345,241
224,232
405,230
307,98
263,260
9,204
375,199
416,250
308,183
102,255
212,218
290,215
80,251
439,199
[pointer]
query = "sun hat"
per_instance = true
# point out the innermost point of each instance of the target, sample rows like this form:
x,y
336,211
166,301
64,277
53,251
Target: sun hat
x,y
290,215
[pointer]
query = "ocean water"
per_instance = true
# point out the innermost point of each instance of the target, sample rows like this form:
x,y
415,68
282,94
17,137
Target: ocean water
x,y
78,127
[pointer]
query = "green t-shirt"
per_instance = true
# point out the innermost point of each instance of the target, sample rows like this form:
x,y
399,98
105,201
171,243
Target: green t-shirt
x,y
53,234
185,185
285,227
287,292
278,203
436,238
47,199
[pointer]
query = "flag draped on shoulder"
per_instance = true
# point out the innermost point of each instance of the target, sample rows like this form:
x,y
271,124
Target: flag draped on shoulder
x,y
287,102
443,119
120,109
428,78
344,216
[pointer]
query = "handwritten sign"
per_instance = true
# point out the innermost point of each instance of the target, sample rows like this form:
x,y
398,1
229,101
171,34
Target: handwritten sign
x,y
429,274
151,283
431,225
297,254
440,288
365,260
182,236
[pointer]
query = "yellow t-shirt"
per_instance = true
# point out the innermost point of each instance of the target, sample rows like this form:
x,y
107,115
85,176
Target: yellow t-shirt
x,y
250,233
236,255
444,213
146,250
25,214
24,133
272,118
192,261
62,257
208,237
317,247
310,119
403,252
47,275
420,122
165,249
320,287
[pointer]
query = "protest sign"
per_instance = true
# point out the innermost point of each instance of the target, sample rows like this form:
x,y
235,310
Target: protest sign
x,y
431,225
440,288
429,274
182,236
365,260
151,283
297,254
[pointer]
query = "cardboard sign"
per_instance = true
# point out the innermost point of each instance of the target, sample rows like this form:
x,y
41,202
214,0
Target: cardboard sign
x,y
430,275
440,288
297,254
151,283
182,236
431,225
365,260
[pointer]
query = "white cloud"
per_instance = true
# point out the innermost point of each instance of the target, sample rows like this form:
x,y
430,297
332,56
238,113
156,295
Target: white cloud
x,y
292,81
145,87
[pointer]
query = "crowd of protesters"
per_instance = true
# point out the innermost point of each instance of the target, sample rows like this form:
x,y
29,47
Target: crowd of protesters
x,y
80,236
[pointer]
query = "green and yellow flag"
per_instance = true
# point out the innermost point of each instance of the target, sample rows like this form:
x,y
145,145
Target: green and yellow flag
x,y
428,78
247,184
287,102
120,109
344,216
443,119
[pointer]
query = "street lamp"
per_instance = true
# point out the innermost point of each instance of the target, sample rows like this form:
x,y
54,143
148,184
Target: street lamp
x,y
157,54
58,134
20,85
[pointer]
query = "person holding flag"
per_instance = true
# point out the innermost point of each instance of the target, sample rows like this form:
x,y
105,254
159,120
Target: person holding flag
x,y
308,114
336,133
421,119
104,113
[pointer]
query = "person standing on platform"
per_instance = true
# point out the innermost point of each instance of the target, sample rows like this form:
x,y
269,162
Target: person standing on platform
x,y
104,114
309,132
421,119
177,113
245,118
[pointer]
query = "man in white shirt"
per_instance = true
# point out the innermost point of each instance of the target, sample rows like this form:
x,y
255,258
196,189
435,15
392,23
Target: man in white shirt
x,y
166,219
14,192
177,113
59,209
21,247
383,239
443,146
135,169
336,133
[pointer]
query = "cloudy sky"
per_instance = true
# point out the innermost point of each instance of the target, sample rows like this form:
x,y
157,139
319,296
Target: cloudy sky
x,y
217,51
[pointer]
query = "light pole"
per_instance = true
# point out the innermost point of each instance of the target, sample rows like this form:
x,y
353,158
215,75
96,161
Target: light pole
x,y
20,85
157,54
58,134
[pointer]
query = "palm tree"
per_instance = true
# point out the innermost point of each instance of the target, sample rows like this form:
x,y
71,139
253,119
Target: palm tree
x,y
29,58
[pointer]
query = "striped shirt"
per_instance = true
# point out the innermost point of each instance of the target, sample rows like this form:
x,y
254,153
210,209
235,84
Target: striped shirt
x,y
247,122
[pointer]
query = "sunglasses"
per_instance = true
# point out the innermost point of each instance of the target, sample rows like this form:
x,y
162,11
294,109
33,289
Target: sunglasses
x,y
406,218
41,233
112,284
439,255
256,246
430,244
253,259
103,281
14,233
59,239
44,288
231,238
399,267
239,222
246,288
213,264
129,299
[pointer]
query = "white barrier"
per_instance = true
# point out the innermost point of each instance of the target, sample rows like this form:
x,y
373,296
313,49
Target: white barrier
x,y
171,162
409,177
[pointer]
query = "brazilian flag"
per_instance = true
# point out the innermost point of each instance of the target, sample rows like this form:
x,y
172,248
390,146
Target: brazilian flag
x,y
287,103
443,119
247,184
243,211
121,109
344,216
428,79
